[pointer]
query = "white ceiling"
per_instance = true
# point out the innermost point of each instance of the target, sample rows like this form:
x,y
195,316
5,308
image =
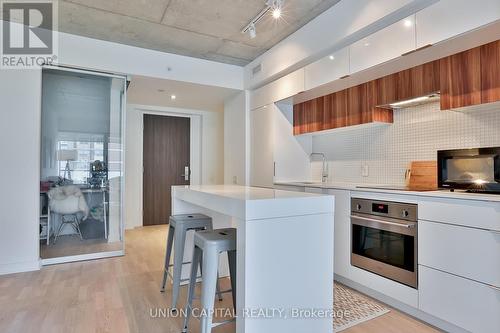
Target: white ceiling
x,y
208,29
153,91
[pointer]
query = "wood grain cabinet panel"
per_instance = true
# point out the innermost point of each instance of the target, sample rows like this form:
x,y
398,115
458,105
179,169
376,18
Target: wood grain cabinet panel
x,y
383,91
358,111
425,79
335,110
490,72
404,86
298,121
308,116
460,79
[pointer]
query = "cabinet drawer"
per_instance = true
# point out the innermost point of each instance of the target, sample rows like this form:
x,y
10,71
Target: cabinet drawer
x,y
476,214
468,252
471,305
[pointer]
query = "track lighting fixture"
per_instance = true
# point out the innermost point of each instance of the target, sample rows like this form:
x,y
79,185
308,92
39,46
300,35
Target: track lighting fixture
x,y
273,6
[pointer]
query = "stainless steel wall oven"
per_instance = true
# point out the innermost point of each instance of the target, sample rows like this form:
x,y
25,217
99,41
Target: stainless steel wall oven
x,y
384,239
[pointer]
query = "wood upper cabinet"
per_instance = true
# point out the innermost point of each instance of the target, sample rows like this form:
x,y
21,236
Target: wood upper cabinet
x,y
464,79
490,72
358,111
425,79
460,79
298,119
383,91
414,82
308,116
335,110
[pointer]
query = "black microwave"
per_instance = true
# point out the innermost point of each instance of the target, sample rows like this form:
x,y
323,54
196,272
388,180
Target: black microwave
x,y
475,170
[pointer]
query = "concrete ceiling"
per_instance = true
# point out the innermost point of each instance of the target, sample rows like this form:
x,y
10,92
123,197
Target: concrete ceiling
x,y
208,29
153,91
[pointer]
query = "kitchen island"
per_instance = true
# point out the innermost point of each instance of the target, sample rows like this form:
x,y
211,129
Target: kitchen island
x,y
284,253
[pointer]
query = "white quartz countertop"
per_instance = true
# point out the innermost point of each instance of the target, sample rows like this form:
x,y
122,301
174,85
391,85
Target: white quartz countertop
x,y
247,192
366,188
253,202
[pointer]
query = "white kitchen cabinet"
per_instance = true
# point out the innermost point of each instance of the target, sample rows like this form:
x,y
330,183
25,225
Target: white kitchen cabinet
x,y
262,147
449,18
384,45
327,69
468,252
276,154
278,90
468,304
342,232
469,213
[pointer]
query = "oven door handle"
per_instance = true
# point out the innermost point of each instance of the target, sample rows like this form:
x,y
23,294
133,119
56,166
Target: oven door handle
x,y
408,226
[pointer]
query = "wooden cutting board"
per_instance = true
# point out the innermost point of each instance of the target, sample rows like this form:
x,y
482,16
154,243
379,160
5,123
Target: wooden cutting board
x,y
422,176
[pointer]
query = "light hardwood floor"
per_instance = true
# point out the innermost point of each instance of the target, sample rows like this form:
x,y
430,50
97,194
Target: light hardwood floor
x,y
119,295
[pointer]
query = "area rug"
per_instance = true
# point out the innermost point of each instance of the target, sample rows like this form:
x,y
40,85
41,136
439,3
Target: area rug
x,y
92,229
352,308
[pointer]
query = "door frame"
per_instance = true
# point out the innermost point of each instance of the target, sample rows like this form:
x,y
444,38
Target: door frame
x,y
195,144
123,129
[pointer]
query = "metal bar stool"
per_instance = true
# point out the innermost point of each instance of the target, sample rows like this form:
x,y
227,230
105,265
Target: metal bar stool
x,y
207,247
179,225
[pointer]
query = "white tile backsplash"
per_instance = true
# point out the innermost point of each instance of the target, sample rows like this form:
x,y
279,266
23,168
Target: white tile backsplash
x,y
416,134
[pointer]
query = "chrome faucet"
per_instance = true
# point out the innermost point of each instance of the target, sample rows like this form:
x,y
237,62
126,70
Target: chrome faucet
x,y
324,172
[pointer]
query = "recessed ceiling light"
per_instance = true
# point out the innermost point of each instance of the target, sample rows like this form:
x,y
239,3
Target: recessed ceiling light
x,y
172,97
408,23
331,57
366,44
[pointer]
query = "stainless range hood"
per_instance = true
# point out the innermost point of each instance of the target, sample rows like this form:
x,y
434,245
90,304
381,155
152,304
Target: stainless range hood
x,y
414,102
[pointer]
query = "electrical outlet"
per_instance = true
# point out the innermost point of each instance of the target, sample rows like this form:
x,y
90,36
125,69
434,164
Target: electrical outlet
x,y
235,180
365,170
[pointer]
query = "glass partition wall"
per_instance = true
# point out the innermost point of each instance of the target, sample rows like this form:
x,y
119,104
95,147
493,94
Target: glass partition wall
x,y
81,165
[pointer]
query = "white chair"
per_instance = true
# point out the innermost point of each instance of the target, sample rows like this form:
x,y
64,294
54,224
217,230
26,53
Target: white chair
x,y
67,201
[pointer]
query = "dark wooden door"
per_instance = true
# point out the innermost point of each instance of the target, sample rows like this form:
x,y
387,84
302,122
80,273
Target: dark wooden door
x,y
165,156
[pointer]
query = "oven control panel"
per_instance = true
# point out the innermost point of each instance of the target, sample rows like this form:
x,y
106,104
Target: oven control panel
x,y
396,210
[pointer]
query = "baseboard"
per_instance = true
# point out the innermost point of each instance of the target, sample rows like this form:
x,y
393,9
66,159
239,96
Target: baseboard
x,y
19,267
409,310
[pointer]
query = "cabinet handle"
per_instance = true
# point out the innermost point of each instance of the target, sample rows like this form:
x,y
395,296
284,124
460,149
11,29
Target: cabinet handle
x,y
416,50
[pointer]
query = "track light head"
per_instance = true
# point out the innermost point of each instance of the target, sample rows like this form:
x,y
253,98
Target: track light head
x,y
252,31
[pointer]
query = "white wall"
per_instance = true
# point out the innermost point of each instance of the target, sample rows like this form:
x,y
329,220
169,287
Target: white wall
x,y
236,168
416,134
207,152
20,107
20,94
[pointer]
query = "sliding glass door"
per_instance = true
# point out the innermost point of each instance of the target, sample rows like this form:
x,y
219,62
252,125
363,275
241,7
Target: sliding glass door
x,y
81,165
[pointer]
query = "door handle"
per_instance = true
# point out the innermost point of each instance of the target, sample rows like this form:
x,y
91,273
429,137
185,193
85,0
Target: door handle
x,y
186,173
408,226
